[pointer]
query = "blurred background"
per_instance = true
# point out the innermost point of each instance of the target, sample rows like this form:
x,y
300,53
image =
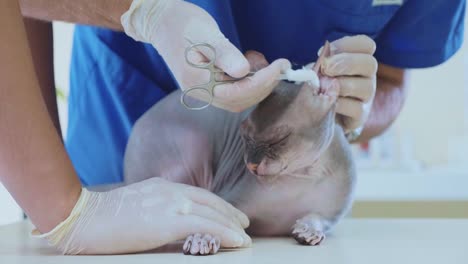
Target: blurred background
x,y
418,168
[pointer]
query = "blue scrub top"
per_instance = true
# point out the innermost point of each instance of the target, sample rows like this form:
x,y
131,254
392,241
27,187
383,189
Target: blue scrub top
x,y
114,79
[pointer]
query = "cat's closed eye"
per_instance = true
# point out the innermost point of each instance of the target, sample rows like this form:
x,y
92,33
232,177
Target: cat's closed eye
x,y
279,141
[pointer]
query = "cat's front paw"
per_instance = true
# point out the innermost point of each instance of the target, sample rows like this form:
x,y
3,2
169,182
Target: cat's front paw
x,y
306,234
199,244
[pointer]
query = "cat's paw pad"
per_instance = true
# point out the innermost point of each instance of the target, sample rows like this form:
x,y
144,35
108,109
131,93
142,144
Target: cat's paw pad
x,y
198,244
306,234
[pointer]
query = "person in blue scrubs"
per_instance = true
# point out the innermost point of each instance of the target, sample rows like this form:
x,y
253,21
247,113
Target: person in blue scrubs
x,y
115,79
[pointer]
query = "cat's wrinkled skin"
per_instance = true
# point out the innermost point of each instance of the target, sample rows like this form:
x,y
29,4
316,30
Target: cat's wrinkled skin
x,y
288,167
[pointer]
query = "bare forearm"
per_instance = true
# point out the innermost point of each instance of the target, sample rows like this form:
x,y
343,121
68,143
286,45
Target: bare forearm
x,y
103,13
389,99
34,166
40,39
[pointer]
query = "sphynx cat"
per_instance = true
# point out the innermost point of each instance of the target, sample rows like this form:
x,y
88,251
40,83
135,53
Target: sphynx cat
x,y
285,162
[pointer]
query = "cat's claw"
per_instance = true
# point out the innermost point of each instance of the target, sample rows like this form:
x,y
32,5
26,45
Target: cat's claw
x,y
306,234
198,244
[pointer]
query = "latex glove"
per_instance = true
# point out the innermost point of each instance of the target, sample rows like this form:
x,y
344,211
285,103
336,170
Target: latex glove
x,y
354,66
144,216
169,24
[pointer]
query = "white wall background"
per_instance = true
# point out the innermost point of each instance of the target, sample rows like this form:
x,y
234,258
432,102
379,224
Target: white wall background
x,y
423,156
425,153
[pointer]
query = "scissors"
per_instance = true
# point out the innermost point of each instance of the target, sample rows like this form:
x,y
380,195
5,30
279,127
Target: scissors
x,y
208,88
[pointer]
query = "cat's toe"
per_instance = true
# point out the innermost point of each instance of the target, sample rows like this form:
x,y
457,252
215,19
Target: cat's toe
x,y
199,244
306,234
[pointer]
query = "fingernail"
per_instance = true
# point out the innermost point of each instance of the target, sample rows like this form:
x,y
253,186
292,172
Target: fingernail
x,y
240,223
244,220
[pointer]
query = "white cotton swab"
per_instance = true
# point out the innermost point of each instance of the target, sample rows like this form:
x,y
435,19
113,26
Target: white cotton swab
x,y
300,76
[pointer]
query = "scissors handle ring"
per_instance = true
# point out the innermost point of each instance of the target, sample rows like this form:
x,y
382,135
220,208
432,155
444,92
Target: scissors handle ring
x,y
207,65
185,95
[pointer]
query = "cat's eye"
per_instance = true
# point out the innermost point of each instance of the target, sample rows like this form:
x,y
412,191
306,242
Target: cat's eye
x,y
280,141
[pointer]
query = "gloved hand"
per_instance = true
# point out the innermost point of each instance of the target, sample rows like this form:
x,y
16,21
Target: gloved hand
x,y
352,63
169,25
144,216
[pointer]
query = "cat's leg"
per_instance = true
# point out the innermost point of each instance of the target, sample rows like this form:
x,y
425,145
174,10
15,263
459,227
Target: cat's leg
x,y
177,153
310,229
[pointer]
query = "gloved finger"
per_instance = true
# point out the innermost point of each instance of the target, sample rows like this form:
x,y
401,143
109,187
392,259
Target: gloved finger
x,y
207,198
352,112
230,59
191,224
256,60
357,87
350,64
252,89
215,216
240,97
352,44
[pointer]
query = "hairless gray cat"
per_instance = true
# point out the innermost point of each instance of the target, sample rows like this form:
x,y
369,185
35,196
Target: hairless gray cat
x,y
285,162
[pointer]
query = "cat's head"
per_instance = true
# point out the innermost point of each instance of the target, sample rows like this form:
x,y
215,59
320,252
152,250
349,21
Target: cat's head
x,y
290,129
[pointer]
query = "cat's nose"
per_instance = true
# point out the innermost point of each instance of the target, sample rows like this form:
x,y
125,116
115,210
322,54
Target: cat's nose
x,y
252,167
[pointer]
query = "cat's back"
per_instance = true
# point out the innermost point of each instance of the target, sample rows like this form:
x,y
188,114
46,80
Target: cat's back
x,y
207,137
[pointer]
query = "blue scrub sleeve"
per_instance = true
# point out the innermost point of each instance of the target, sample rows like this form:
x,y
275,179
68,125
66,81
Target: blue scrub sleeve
x,y
422,34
